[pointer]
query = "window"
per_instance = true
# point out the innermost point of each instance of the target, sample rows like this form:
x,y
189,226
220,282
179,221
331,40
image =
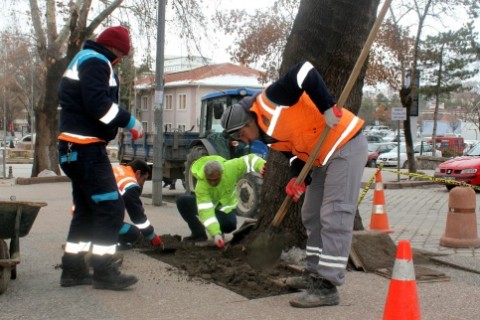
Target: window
x,y
168,127
145,125
181,128
168,102
182,101
144,103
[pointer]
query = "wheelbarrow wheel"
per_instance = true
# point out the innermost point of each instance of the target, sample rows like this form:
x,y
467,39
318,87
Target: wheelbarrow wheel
x,y
5,272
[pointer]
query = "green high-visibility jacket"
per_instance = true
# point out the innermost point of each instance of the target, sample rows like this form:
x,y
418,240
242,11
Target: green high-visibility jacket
x,y
223,196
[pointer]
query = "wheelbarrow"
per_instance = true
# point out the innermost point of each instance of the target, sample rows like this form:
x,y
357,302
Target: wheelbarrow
x,y
16,220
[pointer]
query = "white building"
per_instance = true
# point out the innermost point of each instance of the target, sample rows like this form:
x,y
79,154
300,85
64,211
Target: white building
x,y
183,91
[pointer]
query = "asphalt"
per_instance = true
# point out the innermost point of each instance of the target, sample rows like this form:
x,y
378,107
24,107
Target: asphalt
x,y
416,211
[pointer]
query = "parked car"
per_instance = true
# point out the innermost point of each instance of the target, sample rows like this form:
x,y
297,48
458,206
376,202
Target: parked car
x,y
374,151
391,158
465,168
25,142
374,138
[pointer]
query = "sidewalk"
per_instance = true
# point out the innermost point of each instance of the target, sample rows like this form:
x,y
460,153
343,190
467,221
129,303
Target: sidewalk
x,y
417,214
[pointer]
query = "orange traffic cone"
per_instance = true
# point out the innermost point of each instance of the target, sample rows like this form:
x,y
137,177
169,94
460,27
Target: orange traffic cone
x,y
402,300
379,218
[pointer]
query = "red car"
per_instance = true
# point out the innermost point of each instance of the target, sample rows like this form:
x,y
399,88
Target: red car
x,y
465,168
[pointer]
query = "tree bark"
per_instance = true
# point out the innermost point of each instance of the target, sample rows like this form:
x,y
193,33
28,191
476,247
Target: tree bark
x,y
330,34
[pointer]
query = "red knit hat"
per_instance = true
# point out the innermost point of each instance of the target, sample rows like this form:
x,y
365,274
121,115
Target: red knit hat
x,y
115,37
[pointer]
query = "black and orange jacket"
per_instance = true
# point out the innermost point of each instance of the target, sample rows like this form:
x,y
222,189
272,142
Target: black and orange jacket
x,y
291,112
131,191
88,96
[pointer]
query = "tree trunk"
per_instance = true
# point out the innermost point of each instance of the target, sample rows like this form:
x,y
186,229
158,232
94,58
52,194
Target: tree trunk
x,y
46,115
330,34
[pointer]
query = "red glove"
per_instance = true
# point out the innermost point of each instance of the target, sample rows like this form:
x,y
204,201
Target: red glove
x,y
262,172
295,191
219,241
157,242
332,116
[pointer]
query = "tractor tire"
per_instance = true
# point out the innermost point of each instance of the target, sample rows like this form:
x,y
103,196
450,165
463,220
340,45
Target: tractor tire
x,y
5,272
195,153
249,188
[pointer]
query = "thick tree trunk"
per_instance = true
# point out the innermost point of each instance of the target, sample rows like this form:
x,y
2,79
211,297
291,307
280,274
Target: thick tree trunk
x,y
46,115
330,34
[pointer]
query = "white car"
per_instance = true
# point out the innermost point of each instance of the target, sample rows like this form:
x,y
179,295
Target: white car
x,y
391,158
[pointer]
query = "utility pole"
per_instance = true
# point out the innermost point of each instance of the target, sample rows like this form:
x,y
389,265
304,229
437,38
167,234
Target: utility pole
x,y
157,172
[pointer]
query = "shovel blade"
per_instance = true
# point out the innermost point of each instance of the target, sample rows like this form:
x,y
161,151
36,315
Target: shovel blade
x,y
265,250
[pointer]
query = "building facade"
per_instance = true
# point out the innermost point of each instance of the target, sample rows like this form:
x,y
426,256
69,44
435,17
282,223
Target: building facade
x,y
183,91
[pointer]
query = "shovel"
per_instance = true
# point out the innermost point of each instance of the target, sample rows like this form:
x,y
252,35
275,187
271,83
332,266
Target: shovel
x,y
265,250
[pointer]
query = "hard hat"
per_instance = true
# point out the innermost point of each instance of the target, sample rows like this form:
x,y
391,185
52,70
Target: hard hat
x,y
234,118
237,115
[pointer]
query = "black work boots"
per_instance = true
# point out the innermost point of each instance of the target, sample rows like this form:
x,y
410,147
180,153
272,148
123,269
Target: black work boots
x,y
75,277
105,276
110,278
320,292
75,270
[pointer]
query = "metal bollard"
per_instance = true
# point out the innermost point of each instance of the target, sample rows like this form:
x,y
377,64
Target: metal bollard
x,y
10,172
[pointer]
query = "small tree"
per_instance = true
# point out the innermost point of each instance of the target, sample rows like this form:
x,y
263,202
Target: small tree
x,y
447,59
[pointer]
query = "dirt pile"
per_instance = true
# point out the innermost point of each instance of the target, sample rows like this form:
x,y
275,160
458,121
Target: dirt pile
x,y
226,268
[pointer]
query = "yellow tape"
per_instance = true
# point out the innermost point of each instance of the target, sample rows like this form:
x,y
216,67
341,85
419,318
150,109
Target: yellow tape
x,y
417,175
434,179
369,183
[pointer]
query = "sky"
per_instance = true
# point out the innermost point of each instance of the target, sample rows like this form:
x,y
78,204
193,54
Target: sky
x,y
214,46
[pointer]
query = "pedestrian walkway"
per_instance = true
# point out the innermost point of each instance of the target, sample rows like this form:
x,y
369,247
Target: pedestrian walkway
x,y
416,214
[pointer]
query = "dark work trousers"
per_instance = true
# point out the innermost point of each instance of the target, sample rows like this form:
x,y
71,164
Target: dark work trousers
x,y
99,209
187,206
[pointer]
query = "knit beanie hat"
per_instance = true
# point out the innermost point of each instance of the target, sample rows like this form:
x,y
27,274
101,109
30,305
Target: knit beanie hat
x,y
115,37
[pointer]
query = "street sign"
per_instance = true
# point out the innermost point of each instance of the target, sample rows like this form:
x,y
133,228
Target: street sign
x,y
399,113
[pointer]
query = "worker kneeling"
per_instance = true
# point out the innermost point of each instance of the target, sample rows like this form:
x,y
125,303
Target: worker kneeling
x,y
130,180
213,206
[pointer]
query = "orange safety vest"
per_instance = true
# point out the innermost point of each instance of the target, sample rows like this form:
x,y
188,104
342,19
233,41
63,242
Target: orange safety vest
x,y
297,128
125,177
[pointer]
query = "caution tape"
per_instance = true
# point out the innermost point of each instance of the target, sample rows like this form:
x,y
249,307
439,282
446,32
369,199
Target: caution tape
x,y
435,179
416,175
369,183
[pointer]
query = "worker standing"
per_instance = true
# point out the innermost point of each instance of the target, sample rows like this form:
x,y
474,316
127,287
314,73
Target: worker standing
x,y
213,206
89,118
130,180
291,115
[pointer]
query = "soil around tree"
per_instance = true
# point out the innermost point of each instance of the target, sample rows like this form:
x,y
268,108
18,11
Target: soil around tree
x,y
227,268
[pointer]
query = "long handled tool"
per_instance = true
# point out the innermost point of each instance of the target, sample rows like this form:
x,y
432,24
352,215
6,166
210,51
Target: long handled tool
x,y
265,250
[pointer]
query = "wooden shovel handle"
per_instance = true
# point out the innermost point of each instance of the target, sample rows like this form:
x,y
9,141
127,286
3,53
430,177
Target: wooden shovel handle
x,y
340,103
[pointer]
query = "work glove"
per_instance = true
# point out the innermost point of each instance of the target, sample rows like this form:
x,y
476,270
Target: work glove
x,y
135,127
332,116
295,191
219,241
157,242
262,172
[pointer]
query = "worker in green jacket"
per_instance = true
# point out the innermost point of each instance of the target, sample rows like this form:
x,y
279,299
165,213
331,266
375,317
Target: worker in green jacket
x,y
213,206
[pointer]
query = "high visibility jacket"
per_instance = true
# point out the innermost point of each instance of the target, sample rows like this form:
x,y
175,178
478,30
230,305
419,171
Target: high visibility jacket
x,y
298,128
130,191
88,96
291,111
223,196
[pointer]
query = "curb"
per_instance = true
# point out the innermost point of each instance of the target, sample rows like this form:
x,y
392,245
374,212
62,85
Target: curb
x,y
35,180
401,184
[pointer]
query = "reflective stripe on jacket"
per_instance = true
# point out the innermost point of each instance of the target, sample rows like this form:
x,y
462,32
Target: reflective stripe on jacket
x,y
130,191
297,128
223,196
